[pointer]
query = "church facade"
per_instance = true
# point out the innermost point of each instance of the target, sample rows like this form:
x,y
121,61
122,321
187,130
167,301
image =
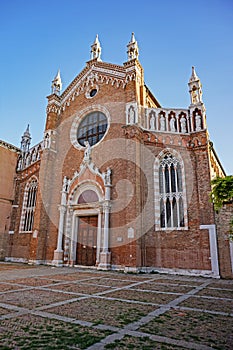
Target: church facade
x,y
118,182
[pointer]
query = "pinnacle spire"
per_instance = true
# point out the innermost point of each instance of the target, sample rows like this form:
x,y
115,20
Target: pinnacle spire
x,y
133,38
27,132
58,76
133,51
96,49
26,140
57,84
97,39
195,88
194,75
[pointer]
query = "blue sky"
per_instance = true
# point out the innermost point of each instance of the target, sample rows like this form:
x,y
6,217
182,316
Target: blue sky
x,y
38,37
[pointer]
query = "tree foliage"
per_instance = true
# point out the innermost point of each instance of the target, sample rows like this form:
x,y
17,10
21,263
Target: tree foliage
x,y
222,191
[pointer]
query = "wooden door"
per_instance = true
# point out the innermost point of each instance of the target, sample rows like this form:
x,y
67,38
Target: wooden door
x,y
87,240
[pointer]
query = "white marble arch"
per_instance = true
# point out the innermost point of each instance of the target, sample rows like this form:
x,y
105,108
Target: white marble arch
x,y
76,210
85,186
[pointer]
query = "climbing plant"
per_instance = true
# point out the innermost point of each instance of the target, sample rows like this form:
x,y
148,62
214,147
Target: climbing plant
x,y
222,192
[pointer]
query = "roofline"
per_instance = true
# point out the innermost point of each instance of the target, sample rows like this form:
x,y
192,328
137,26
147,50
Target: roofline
x,y
152,96
216,156
9,146
89,65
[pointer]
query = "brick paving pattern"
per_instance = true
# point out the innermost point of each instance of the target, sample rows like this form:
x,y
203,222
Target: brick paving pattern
x,y
70,308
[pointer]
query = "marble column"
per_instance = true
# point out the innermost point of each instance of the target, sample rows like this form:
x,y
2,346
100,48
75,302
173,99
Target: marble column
x,y
58,253
105,255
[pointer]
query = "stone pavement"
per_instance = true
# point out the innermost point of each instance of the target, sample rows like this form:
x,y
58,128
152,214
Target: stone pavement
x,y
71,308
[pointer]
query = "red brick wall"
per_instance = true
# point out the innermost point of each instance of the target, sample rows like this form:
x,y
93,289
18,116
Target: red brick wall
x,y
223,218
130,155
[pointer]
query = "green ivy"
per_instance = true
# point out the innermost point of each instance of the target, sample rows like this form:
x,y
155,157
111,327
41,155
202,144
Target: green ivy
x,y
222,192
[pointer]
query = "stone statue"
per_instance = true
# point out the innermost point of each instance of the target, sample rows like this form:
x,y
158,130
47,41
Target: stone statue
x,y
34,155
131,115
162,123
65,183
46,141
183,124
152,122
28,159
172,124
194,96
198,122
87,152
20,164
64,190
107,177
38,153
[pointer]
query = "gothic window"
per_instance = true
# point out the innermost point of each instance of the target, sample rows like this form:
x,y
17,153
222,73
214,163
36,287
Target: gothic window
x,y
92,128
171,193
29,204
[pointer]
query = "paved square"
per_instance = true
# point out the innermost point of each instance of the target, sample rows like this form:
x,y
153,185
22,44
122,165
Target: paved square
x,y
70,308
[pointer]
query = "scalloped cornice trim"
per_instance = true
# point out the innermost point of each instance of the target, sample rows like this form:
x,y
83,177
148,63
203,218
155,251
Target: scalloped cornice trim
x,y
93,73
9,146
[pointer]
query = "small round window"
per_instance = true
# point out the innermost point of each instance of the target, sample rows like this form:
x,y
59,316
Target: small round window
x,y
93,92
92,128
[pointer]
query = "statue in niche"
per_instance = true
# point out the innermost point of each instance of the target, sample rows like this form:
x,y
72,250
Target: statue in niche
x,y
172,124
65,184
152,122
198,122
131,115
34,156
183,124
87,152
20,164
194,96
28,159
38,153
162,123
46,141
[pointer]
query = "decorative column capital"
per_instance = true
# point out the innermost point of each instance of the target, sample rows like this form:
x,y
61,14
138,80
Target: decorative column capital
x,y
106,206
62,208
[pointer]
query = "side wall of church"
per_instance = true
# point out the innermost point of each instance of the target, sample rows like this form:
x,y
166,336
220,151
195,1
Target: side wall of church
x,y
185,248
225,243
8,161
19,243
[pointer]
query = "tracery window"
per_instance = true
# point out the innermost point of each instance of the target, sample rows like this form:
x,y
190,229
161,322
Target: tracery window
x,y
92,128
29,204
171,193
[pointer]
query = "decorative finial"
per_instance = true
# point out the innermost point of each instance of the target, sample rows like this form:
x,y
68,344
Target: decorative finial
x,y
194,75
133,51
96,49
57,84
195,88
97,39
133,38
